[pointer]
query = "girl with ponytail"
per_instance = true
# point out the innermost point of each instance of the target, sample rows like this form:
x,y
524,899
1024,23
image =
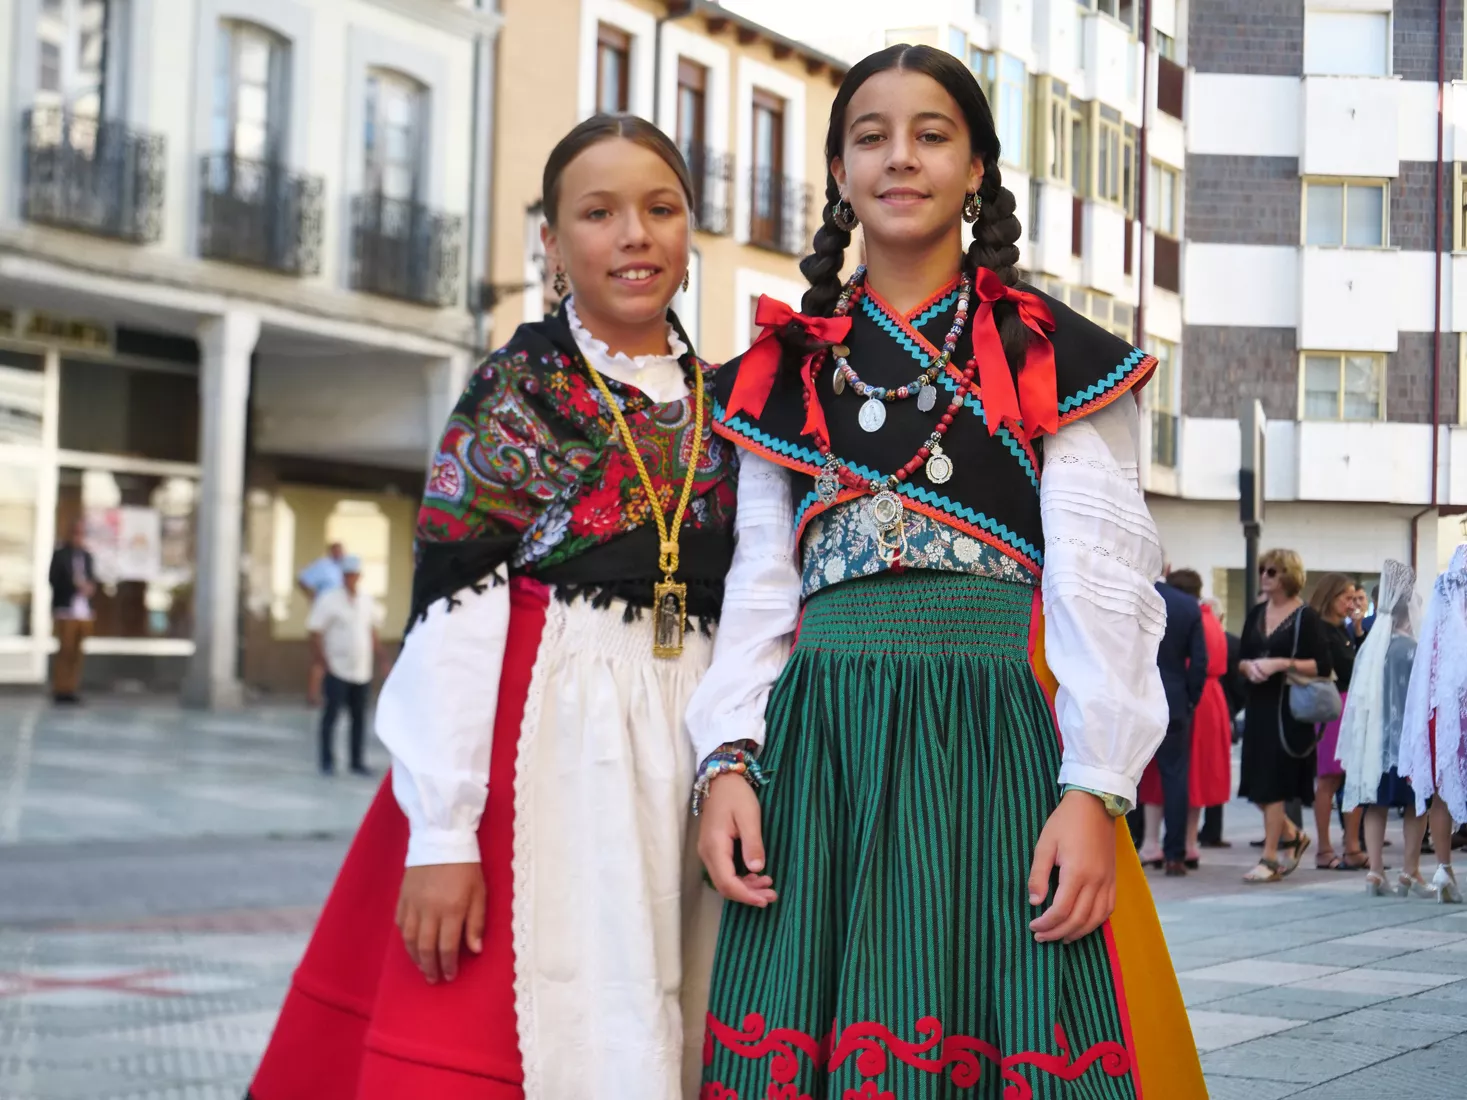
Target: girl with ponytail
x,y
912,800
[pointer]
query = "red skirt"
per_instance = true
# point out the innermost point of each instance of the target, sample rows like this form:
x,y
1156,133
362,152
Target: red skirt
x,y
360,1022
1210,780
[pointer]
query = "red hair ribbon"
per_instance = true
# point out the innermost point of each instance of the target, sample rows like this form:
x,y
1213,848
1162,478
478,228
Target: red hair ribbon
x,y
760,364
1034,407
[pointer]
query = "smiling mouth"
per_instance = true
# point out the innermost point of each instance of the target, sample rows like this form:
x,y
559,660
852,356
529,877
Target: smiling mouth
x,y
901,195
636,274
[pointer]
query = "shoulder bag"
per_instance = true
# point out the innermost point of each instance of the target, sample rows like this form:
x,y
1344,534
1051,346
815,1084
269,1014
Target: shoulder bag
x,y
1313,700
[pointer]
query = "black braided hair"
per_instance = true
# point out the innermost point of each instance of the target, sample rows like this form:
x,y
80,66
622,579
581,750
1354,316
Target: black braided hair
x,y
996,232
995,246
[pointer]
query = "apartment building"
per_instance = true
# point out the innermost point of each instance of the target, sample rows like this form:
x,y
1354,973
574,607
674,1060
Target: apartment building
x,y
236,238
748,107
1321,280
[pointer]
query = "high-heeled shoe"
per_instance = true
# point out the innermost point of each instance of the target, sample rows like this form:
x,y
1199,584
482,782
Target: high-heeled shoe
x,y
1374,885
1444,883
1407,885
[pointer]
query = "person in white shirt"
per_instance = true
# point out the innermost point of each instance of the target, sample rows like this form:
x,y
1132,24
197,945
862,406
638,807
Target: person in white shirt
x,y
344,645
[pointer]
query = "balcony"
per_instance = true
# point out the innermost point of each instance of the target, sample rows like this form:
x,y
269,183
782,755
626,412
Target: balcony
x,y
712,189
259,214
777,216
91,175
402,249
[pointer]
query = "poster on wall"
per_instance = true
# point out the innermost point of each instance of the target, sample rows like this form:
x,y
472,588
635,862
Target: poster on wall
x,y
140,544
103,529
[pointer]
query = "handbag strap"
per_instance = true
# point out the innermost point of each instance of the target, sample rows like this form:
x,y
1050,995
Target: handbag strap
x,y
1298,618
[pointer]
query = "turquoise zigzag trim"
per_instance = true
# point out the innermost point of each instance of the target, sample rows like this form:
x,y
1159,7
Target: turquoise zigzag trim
x,y
1003,433
877,314
934,310
812,498
1090,393
926,496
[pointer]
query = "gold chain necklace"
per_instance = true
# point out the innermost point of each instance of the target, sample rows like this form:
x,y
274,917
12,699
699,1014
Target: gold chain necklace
x,y
669,598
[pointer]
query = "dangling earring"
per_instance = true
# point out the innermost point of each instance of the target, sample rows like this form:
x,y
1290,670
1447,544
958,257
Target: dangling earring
x,y
687,278
560,283
972,207
843,215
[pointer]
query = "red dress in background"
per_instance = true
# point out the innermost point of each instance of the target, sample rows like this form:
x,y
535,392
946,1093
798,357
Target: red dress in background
x,y
1212,732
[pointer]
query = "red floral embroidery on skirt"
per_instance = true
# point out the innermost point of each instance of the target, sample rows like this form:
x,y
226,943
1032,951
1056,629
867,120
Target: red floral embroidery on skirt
x,y
873,1046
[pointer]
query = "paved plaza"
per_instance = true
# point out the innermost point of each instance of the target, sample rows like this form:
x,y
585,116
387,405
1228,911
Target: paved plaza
x,y
159,873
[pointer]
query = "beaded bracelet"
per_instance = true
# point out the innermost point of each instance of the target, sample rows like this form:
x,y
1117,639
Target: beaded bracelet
x,y
738,758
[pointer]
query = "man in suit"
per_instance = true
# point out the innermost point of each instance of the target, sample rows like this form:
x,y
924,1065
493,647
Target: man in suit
x,y
1182,661
73,583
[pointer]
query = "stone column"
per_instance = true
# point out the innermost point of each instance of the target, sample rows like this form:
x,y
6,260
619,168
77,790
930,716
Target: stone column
x,y
225,346
444,381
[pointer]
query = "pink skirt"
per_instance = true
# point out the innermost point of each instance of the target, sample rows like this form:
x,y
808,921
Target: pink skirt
x,y
1328,743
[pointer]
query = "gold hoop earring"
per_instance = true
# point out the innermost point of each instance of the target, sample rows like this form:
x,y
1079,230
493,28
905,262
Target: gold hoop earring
x,y
972,207
560,283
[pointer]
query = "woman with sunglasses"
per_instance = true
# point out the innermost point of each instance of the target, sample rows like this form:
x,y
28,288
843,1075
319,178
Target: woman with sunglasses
x,y
1283,634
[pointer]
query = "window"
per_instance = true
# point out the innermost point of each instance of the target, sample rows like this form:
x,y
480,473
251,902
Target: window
x,y
1349,386
250,75
1109,134
1013,80
1459,223
768,170
1340,214
1130,178
19,493
613,69
1079,146
1347,43
79,40
692,107
1161,398
1122,10
1052,133
393,142
1166,45
957,43
1164,192
985,68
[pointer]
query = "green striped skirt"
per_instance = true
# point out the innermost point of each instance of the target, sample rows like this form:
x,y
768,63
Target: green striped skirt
x,y
913,761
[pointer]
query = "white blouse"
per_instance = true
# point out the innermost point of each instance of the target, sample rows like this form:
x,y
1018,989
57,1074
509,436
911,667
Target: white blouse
x,y
436,711
1103,616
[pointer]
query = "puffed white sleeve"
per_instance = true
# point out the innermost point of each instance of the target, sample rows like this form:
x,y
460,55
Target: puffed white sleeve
x,y
436,717
761,606
1103,617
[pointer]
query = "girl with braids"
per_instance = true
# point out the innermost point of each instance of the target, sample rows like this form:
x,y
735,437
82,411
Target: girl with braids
x,y
937,505
513,917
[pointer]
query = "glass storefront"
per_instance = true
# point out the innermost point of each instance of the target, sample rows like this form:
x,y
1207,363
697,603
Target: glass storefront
x,y
18,491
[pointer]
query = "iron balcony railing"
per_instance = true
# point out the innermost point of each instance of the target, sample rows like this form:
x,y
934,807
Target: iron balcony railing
x,y
92,175
713,175
777,214
403,249
261,214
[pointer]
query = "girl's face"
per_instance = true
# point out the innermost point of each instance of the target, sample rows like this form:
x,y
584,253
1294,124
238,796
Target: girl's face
x,y
621,234
907,161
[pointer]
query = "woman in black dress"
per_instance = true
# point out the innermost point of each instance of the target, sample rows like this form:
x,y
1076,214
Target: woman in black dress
x,y
1334,601
1282,635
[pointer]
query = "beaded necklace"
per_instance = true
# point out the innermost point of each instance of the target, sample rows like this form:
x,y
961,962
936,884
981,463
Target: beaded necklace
x,y
873,413
887,508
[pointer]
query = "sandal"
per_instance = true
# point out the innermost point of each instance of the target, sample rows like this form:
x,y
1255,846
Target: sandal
x,y
1328,861
1355,861
1297,847
1266,871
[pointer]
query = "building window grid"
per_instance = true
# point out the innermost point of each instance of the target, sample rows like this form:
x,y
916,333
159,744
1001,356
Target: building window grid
x,y
1161,399
1122,11
1342,386
1163,200
1010,111
613,69
1108,181
1343,212
985,68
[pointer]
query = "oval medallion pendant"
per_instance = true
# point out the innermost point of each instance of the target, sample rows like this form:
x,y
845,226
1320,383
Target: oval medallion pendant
x,y
873,414
939,467
838,382
927,398
827,485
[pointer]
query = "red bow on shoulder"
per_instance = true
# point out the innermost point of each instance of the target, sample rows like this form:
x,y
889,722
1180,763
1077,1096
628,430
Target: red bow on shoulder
x,y
1034,407
760,364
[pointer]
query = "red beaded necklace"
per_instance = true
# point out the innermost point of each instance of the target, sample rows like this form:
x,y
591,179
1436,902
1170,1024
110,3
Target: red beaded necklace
x,y
887,508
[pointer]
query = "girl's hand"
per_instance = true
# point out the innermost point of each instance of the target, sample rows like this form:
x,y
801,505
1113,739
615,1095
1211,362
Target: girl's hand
x,y
731,812
1080,839
440,906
